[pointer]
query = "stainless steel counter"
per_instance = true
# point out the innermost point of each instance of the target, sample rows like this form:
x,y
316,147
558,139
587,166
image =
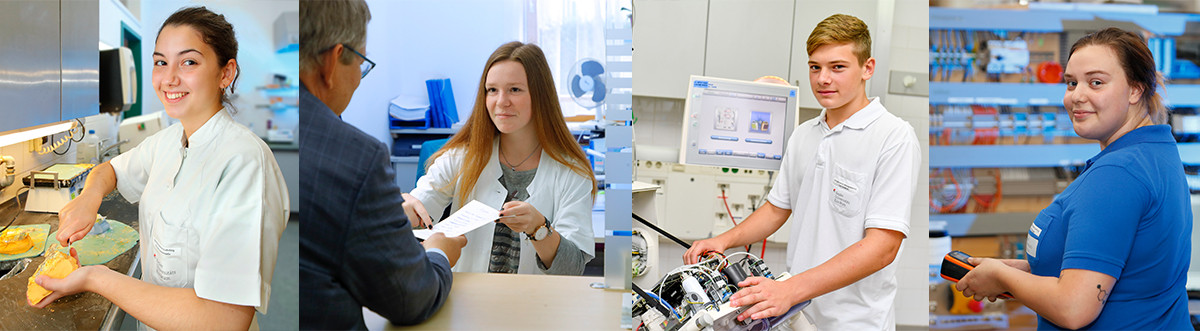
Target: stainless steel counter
x,y
88,311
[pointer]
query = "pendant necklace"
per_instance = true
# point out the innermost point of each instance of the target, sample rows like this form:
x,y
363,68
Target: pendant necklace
x,y
512,166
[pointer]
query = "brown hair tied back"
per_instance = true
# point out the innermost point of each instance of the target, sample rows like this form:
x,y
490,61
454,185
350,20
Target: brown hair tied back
x,y
217,33
1134,56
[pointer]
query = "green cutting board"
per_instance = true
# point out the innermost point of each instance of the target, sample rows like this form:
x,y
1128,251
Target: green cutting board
x,y
101,248
37,232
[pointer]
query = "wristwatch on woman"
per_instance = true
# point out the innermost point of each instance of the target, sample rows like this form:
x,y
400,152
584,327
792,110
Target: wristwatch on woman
x,y
542,231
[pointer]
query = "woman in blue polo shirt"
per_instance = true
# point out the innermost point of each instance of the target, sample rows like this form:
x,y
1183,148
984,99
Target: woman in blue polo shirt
x,y
1111,252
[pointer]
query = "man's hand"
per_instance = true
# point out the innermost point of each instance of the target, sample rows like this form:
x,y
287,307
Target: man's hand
x,y
767,297
451,246
699,248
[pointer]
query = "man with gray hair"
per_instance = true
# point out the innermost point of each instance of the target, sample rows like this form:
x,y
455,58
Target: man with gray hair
x,y
357,248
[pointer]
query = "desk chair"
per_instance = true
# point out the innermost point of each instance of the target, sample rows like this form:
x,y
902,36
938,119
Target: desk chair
x,y
428,148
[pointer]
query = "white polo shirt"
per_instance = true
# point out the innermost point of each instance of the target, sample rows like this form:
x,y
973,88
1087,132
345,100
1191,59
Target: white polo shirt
x,y
838,182
210,214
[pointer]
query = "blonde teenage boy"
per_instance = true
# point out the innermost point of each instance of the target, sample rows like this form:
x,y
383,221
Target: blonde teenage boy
x,y
848,178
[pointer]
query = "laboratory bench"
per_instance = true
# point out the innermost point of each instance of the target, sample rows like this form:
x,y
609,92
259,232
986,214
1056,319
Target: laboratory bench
x,y
293,146
489,301
81,311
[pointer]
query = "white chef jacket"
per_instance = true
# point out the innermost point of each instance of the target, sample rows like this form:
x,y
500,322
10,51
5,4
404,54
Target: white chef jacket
x,y
838,182
211,214
562,195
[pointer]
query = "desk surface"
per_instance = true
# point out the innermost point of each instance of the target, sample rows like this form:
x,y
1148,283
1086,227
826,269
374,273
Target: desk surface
x,y
483,301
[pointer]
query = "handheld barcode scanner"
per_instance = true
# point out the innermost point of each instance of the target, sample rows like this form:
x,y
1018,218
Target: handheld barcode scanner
x,y
955,266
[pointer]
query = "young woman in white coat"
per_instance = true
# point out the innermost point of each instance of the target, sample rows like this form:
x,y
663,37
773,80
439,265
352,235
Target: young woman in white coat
x,y
515,154
213,203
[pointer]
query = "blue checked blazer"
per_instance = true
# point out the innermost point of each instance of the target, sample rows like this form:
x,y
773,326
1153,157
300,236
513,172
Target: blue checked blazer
x,y
356,246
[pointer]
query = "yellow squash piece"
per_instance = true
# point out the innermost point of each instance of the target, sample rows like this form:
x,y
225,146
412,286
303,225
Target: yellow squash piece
x,y
15,241
57,265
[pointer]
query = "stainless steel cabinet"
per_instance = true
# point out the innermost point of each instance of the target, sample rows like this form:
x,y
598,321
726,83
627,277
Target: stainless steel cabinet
x,y
30,76
738,39
668,46
748,39
80,59
48,61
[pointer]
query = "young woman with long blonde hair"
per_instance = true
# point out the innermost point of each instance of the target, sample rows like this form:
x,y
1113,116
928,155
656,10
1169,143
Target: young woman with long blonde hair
x,y
516,154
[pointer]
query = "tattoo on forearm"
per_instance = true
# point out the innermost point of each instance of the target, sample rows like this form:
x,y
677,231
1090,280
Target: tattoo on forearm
x,y
1102,295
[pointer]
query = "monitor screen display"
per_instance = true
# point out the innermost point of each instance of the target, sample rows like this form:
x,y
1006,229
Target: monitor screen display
x,y
738,124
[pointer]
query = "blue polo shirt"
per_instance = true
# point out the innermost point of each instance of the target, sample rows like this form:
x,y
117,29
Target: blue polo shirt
x,y
1128,215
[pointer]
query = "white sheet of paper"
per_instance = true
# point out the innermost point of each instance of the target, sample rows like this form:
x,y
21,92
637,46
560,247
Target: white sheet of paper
x,y
470,217
422,233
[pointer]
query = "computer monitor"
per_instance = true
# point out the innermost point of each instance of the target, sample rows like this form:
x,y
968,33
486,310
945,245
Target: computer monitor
x,y
732,123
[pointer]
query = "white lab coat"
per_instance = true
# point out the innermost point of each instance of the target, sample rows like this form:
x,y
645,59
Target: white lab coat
x,y
211,214
563,196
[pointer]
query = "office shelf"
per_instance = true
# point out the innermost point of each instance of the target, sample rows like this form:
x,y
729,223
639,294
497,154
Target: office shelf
x,y
1010,94
1023,156
1050,18
985,224
988,224
1182,95
1010,156
446,131
1038,94
280,91
1190,153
